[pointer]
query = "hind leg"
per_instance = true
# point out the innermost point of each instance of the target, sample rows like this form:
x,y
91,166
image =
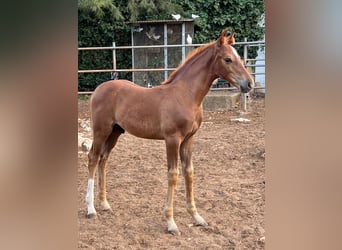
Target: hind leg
x,y
93,159
109,145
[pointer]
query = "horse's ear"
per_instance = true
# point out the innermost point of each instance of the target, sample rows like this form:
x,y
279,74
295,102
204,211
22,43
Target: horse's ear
x,y
231,39
222,39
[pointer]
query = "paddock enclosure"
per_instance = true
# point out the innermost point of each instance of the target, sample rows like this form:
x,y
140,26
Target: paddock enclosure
x,y
229,184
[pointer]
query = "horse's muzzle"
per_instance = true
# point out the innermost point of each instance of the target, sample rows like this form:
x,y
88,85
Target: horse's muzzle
x,y
246,86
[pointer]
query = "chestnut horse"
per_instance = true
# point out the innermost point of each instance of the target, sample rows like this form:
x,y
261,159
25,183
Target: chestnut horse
x,y
171,112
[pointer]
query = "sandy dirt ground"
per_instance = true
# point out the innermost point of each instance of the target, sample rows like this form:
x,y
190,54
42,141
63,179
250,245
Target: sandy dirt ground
x,y
229,162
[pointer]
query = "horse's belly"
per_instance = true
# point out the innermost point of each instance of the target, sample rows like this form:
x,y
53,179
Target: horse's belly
x,y
143,129
145,134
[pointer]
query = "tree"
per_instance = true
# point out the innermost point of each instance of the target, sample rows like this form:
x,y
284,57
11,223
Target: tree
x,y
103,21
98,7
99,24
241,15
152,9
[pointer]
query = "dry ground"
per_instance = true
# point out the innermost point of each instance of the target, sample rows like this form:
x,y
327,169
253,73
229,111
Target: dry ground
x,y
229,162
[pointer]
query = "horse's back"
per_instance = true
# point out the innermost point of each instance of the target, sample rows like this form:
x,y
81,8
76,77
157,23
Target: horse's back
x,y
107,88
106,93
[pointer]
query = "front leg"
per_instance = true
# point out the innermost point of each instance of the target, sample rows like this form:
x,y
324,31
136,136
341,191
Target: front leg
x,y
172,148
188,173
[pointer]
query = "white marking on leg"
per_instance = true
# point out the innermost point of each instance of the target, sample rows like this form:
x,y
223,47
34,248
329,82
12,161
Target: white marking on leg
x,y
90,197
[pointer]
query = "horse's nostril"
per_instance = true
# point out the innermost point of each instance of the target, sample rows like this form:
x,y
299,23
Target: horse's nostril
x,y
249,85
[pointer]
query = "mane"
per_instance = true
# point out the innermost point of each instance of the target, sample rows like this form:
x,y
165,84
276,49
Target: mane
x,y
189,57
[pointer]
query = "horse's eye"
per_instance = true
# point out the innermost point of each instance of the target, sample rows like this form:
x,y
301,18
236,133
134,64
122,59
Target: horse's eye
x,y
227,60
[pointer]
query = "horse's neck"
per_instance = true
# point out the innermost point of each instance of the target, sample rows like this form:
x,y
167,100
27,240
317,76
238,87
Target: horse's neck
x,y
196,77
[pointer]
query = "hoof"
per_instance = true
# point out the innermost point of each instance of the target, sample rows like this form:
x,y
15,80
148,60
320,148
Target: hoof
x,y
174,232
200,221
90,216
201,224
172,227
108,210
105,206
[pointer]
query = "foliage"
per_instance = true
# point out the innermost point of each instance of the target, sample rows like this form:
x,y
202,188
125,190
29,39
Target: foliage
x,y
103,21
152,9
241,15
98,7
96,29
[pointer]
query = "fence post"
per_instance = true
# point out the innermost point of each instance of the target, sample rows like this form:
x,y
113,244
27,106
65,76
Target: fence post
x,y
244,95
183,42
165,53
114,58
133,52
245,51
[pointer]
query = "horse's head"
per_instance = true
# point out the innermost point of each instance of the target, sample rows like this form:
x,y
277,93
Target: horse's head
x,y
228,64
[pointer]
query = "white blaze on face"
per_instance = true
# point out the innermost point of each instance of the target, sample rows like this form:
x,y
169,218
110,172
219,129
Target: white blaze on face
x,y
235,52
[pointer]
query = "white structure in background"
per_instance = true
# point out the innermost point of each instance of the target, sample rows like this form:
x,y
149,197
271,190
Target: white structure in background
x,y
260,71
